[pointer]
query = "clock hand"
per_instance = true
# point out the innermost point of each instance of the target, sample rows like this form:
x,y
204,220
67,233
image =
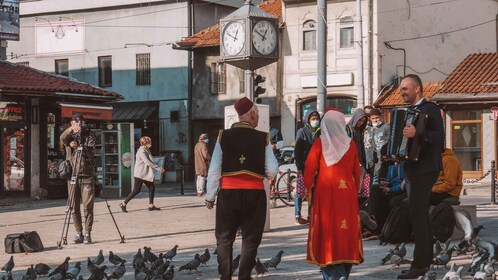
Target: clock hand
x,y
263,36
235,38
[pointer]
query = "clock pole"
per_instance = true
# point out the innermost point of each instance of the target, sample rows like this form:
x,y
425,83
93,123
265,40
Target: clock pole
x,y
249,84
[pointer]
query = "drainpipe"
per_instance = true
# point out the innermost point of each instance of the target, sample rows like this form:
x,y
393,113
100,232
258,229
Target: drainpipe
x,y
321,86
360,88
190,58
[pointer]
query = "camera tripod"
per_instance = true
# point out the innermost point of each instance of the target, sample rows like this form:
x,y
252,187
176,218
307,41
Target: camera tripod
x,y
69,204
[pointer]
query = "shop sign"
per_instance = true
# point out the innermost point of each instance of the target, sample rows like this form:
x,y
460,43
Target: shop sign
x,y
88,112
10,111
495,113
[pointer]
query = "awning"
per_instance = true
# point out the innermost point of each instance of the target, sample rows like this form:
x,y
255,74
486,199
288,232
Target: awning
x,y
134,111
89,111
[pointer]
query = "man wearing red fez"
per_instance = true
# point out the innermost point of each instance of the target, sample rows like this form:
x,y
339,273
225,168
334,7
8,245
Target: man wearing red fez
x,y
241,159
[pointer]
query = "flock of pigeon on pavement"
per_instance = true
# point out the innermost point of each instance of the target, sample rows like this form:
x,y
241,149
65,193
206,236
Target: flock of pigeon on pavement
x,y
147,266
481,251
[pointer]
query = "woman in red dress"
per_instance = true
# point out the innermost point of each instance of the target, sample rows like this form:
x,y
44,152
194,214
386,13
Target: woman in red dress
x,y
332,181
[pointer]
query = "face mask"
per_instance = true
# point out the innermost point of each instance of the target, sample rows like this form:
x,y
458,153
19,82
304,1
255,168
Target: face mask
x,y
314,124
148,146
206,141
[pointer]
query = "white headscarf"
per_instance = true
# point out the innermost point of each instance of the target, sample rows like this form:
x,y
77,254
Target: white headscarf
x,y
335,140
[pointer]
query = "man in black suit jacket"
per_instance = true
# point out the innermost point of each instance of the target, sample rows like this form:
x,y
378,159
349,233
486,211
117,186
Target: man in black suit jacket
x,y
423,173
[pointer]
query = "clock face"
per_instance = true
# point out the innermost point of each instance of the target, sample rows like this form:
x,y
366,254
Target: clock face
x,y
264,37
234,38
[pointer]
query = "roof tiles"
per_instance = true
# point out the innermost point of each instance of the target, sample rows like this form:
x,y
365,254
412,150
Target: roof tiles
x,y
391,97
15,77
210,37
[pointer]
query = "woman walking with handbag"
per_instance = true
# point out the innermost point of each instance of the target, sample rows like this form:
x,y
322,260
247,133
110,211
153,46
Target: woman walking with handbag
x,y
144,173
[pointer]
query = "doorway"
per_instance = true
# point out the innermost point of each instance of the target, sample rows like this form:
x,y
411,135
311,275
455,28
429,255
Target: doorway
x,y
15,160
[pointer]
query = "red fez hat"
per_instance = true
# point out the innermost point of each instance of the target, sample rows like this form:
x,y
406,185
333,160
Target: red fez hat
x,y
243,106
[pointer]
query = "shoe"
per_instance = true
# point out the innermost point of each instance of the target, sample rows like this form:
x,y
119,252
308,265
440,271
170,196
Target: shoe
x,y
123,207
88,239
301,221
367,221
413,273
154,208
78,239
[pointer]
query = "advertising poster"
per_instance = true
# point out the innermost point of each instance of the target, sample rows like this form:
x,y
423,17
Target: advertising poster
x,y
9,20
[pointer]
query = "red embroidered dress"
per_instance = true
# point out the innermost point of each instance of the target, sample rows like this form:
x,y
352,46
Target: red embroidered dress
x,y
335,231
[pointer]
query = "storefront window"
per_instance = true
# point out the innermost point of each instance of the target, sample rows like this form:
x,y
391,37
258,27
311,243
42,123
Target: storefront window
x,y
12,111
13,146
466,139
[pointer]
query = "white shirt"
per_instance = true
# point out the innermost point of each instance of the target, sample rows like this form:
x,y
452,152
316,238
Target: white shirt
x,y
214,173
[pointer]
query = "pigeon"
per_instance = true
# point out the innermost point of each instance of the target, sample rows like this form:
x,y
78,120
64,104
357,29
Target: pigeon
x,y
62,268
401,252
142,273
115,259
99,274
490,268
451,272
192,265
205,257
9,265
158,263
274,261
437,249
235,263
42,269
58,276
91,266
477,260
488,246
73,272
99,259
430,274
30,274
465,223
148,255
385,259
480,274
138,260
260,268
171,253
119,271
444,258
169,273
456,275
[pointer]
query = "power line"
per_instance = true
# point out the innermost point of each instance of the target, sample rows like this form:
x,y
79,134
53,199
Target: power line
x,y
442,33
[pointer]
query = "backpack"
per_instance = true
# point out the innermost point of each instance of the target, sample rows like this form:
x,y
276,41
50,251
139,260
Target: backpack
x,y
65,169
398,227
443,221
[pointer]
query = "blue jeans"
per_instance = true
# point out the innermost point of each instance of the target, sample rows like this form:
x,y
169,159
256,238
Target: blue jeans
x,y
335,272
298,205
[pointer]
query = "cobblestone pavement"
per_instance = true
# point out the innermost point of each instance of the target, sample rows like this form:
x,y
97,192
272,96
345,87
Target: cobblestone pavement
x,y
184,220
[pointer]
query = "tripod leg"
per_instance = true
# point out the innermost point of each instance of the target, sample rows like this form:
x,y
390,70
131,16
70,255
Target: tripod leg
x,y
114,220
67,219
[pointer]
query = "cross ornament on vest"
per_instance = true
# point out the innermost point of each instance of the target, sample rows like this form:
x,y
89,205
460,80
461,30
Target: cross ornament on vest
x,y
242,159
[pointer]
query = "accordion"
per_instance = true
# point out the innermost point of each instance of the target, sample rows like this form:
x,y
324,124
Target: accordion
x,y
401,148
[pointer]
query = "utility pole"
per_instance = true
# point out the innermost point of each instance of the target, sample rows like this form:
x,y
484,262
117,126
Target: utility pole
x,y
360,89
321,86
3,49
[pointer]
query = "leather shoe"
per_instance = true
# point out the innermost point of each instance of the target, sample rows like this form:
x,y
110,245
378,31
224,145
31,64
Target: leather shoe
x,y
413,273
154,208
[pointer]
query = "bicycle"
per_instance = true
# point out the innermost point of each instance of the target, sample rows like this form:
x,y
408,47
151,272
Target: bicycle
x,y
283,187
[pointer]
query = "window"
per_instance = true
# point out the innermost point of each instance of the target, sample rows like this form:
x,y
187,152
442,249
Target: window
x,y
242,80
466,136
62,67
217,78
309,35
174,116
24,63
347,32
105,71
143,68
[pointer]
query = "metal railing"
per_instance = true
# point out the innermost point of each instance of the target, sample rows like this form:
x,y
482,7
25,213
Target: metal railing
x,y
493,185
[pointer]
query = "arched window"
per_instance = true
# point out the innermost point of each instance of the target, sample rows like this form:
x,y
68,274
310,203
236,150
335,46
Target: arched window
x,y
309,35
346,32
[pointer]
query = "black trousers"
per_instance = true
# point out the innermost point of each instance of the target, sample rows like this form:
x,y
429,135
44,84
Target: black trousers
x,y
437,198
245,209
420,192
138,187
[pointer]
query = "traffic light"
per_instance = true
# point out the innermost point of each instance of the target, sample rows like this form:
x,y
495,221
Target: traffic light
x,y
257,89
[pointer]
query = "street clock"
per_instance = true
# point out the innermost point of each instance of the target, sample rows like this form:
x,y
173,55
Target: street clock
x,y
249,38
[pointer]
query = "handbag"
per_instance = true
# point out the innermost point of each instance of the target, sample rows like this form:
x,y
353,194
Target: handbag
x,y
65,169
300,189
365,186
28,241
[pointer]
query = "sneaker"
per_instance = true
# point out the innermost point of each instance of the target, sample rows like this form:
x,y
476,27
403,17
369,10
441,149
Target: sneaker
x,y
301,221
78,239
123,207
88,239
154,208
367,221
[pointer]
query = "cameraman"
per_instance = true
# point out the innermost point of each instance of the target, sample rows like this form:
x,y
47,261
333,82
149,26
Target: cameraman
x,y
84,189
